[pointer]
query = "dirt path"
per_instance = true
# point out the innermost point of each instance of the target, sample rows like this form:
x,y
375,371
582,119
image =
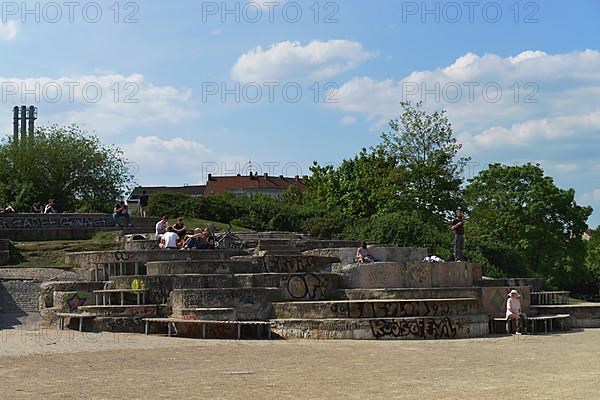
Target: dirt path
x,y
113,366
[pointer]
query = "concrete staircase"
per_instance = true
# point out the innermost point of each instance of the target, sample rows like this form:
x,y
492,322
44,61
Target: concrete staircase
x,y
286,294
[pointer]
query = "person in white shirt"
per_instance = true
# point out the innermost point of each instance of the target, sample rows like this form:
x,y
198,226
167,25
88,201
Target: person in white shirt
x,y
513,312
161,226
168,241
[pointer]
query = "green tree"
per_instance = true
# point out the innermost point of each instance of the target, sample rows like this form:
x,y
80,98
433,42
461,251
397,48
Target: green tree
x,y
428,169
521,223
66,164
592,259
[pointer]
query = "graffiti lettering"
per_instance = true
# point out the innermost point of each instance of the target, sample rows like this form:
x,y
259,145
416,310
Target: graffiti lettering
x,y
122,255
424,328
137,284
307,286
49,221
397,309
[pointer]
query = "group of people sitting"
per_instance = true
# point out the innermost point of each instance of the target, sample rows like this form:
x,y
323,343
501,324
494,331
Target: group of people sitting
x,y
36,208
176,237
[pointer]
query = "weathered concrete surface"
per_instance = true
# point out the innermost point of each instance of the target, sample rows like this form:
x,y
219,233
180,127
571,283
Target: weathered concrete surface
x,y
407,293
160,286
207,314
299,263
536,284
409,275
376,308
4,251
38,227
203,267
60,297
20,287
381,253
384,329
310,244
583,315
88,259
142,311
135,245
301,286
494,299
249,303
38,274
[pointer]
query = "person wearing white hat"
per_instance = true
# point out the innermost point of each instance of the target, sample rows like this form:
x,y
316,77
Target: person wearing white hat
x,y
513,312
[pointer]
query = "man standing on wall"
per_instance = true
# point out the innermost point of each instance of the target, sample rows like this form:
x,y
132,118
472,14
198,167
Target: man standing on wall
x,y
143,204
458,226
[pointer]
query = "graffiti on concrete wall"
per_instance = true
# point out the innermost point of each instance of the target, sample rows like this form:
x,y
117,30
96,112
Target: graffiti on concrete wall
x,y
43,221
76,300
423,328
307,286
289,264
395,309
138,284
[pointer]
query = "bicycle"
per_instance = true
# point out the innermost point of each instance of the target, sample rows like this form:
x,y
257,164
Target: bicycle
x,y
227,240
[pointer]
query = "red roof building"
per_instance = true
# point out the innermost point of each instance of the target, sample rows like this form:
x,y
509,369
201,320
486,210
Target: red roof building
x,y
251,185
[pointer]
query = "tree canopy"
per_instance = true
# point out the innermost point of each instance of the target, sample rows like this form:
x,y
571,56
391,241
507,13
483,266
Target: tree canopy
x,y
518,210
65,164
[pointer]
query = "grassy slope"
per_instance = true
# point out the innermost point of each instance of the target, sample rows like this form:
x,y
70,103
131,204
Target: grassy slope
x,y
52,254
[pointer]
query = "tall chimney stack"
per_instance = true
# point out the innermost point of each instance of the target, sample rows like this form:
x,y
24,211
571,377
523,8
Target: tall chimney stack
x,y
16,124
32,117
23,123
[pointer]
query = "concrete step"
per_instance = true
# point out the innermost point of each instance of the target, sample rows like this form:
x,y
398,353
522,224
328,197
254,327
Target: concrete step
x,y
203,267
281,252
249,303
453,327
376,308
119,324
91,258
408,293
142,311
297,263
207,314
380,275
268,243
302,286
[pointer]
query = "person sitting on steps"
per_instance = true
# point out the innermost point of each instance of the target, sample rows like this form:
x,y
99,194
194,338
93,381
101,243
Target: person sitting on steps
x,y
198,241
514,314
161,227
168,241
119,211
363,254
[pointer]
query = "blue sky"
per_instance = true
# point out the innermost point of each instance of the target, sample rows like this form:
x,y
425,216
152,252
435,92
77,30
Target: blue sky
x,y
520,80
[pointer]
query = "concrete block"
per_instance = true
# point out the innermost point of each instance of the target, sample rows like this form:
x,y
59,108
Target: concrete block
x,y
381,253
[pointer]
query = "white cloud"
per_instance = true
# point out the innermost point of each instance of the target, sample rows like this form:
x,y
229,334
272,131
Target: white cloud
x,y
109,104
8,30
291,61
592,197
348,120
543,97
153,152
177,160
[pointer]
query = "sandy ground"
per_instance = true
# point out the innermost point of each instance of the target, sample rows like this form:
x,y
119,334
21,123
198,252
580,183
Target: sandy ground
x,y
50,364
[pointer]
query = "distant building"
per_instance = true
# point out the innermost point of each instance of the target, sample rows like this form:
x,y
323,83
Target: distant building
x,y
587,235
194,191
251,185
